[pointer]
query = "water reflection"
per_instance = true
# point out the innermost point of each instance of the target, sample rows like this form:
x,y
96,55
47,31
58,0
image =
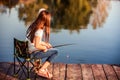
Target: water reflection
x,y
100,13
66,14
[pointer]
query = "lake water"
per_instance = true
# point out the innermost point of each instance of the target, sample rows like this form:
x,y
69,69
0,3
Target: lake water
x,y
95,31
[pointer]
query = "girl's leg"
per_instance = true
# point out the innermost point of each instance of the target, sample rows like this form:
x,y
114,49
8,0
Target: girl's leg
x,y
50,54
45,65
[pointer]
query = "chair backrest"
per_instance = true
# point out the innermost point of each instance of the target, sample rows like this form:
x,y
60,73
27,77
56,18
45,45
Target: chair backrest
x,y
21,48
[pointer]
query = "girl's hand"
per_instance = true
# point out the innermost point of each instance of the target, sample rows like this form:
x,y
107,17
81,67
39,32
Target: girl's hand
x,y
45,50
49,45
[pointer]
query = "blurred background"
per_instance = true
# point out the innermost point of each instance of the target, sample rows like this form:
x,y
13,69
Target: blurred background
x,y
93,25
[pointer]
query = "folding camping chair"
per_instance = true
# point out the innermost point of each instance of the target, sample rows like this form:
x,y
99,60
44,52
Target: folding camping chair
x,y
23,57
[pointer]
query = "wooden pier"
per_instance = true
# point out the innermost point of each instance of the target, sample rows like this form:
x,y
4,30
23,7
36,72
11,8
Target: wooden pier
x,y
62,71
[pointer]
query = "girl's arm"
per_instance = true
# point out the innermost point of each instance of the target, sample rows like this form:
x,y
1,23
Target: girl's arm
x,y
39,45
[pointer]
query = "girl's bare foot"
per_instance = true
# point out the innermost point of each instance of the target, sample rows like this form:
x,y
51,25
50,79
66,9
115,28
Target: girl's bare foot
x,y
44,73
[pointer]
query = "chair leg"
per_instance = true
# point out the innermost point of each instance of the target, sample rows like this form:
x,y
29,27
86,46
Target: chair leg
x,y
21,66
35,76
25,67
28,70
15,75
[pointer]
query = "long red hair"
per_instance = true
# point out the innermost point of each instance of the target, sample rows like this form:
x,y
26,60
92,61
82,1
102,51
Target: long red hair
x,y
43,22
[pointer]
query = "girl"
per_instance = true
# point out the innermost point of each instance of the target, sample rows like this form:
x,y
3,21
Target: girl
x,y
35,34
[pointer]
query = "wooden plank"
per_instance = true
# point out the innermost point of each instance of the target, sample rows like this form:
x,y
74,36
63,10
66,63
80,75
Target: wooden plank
x,y
117,70
110,74
74,72
71,72
8,77
98,72
87,72
50,68
2,76
62,68
56,71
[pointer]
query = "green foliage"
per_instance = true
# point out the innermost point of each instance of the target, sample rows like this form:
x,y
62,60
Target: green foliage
x,y
66,14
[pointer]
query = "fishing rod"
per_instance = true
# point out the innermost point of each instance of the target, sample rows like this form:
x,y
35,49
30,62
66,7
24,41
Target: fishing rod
x,y
61,45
